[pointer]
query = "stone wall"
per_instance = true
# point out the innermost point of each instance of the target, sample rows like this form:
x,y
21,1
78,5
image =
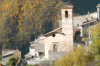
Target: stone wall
x,y
6,59
54,55
61,42
17,54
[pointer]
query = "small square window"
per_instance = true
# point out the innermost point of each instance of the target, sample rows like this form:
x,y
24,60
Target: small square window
x,y
77,25
53,35
92,23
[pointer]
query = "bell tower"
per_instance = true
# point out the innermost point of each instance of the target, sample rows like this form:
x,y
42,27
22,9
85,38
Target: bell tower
x,y
98,11
67,24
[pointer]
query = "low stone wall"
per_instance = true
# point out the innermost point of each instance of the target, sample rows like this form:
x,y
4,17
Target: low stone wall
x,y
54,55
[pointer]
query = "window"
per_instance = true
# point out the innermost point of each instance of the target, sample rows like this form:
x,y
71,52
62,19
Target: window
x,y
66,14
32,57
92,23
87,19
53,35
82,25
54,47
77,25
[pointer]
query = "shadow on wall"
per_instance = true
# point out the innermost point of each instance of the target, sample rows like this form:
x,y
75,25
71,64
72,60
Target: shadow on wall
x,y
25,48
77,38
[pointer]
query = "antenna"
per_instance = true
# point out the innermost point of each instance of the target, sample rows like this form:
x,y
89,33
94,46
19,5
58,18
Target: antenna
x,y
88,12
92,18
86,19
36,40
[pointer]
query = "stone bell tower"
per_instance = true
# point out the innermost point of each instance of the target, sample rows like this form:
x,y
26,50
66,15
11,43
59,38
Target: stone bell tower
x,y
67,24
98,11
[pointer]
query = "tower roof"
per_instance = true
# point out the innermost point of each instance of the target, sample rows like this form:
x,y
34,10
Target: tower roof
x,y
67,6
98,5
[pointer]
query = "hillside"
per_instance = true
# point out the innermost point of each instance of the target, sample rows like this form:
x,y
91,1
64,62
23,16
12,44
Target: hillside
x,y
21,21
83,6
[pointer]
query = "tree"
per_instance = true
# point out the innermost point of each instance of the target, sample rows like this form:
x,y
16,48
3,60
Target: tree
x,y
94,46
75,58
13,61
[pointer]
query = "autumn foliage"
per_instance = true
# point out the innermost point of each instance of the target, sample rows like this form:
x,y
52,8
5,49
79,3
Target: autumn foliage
x,y
23,20
75,58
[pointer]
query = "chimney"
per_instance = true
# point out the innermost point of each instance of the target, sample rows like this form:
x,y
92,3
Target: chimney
x,y
36,40
88,12
98,11
87,19
41,34
92,18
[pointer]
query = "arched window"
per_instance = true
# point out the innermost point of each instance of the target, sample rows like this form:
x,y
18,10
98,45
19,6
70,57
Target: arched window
x,y
66,14
54,47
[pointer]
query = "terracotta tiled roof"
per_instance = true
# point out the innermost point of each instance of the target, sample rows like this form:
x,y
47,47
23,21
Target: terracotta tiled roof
x,y
9,52
31,46
38,47
27,55
67,6
56,31
83,18
98,5
59,30
86,22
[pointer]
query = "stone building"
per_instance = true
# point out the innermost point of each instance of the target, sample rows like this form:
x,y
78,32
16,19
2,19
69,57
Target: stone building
x,y
7,54
63,39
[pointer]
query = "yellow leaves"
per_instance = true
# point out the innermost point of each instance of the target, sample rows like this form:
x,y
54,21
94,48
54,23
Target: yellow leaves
x,y
31,7
7,6
83,39
50,2
34,5
36,2
76,58
19,21
94,47
24,7
7,40
3,46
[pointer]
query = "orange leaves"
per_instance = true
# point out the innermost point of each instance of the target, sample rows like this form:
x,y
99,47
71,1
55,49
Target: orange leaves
x,y
68,1
19,29
50,2
19,21
40,27
5,6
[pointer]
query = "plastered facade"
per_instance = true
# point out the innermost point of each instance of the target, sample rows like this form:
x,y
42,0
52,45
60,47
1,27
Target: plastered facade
x,y
63,42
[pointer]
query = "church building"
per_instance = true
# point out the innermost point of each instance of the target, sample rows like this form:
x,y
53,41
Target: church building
x,y
56,43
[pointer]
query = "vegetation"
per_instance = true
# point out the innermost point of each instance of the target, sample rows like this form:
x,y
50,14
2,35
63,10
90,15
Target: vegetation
x,y
33,65
75,58
94,38
23,20
94,46
12,61
0,62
